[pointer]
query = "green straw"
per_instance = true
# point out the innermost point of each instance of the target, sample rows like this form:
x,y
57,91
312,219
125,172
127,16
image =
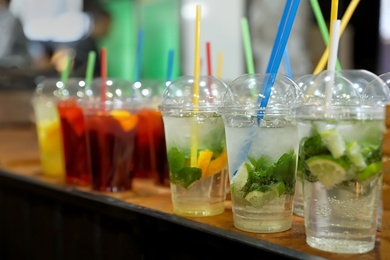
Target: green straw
x,y
90,68
66,71
247,46
322,26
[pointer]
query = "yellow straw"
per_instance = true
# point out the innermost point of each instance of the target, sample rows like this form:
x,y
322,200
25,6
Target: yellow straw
x,y
333,16
197,57
219,67
194,141
344,21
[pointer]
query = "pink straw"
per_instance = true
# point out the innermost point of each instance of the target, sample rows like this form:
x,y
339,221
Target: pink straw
x,y
103,73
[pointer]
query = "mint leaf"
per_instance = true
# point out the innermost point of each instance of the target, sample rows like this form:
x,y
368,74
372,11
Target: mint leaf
x,y
175,159
186,176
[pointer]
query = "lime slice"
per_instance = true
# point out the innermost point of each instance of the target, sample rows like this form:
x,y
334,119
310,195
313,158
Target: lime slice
x,y
328,171
353,152
240,178
259,199
371,170
334,142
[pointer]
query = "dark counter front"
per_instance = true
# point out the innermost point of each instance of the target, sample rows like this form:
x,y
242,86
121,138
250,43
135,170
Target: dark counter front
x,y
43,218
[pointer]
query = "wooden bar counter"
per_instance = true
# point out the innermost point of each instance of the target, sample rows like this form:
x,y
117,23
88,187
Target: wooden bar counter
x,y
43,218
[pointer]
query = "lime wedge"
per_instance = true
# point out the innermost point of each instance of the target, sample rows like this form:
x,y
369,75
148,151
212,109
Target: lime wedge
x,y
353,152
240,178
371,170
334,142
259,199
328,171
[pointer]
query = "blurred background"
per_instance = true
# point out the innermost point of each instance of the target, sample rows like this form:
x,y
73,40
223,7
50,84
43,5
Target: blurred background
x,y
37,35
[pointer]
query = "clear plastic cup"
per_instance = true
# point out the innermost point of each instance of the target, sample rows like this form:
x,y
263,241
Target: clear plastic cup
x,y
111,112
262,144
48,126
341,126
196,147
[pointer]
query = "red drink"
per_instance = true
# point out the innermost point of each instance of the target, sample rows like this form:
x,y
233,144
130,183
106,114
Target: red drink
x,y
75,143
111,140
151,157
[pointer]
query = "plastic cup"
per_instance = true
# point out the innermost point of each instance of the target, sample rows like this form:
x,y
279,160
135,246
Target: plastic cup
x,y
111,125
77,164
196,147
262,149
302,83
341,151
151,157
48,126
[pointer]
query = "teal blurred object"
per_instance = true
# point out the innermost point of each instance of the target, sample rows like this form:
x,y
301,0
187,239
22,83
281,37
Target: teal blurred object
x,y
160,20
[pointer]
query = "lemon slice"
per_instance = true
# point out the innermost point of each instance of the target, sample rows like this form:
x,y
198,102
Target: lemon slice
x,y
370,170
217,165
328,170
259,199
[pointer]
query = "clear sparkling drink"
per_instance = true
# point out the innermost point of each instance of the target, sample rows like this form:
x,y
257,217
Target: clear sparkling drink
x,y
262,168
342,182
197,158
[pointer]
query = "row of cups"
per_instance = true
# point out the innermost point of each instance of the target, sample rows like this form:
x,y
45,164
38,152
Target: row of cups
x,y
273,139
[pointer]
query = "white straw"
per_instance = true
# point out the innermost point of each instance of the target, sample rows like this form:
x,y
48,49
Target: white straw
x,y
333,50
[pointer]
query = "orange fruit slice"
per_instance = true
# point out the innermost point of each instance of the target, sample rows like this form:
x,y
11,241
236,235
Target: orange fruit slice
x,y
204,160
126,119
217,164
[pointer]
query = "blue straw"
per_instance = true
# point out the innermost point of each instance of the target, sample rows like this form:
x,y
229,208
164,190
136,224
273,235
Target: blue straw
x,y
278,49
139,55
287,64
170,64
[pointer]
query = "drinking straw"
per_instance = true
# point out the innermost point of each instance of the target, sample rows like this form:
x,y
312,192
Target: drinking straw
x,y
90,68
247,46
287,64
194,141
65,72
322,25
219,65
344,21
279,47
333,14
208,55
103,73
171,54
139,55
334,44
209,69
197,56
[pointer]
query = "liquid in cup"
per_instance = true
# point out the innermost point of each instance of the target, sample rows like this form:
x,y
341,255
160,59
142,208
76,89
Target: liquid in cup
x,y
48,126
196,146
151,157
262,149
111,131
77,164
341,149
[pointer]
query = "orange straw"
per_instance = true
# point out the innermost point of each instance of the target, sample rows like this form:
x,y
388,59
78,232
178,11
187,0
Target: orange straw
x,y
194,141
103,73
344,21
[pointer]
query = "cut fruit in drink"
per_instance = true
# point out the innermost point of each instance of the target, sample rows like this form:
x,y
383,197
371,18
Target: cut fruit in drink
x,y
217,164
371,170
240,178
328,170
127,120
334,142
353,152
204,160
259,198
